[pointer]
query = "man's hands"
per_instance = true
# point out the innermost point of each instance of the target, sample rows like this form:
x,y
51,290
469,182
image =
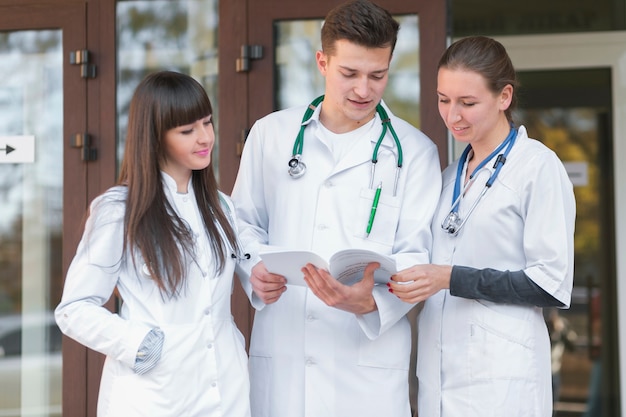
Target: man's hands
x,y
267,286
357,298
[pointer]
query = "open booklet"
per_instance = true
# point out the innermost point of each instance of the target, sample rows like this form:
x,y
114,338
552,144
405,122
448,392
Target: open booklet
x,y
346,266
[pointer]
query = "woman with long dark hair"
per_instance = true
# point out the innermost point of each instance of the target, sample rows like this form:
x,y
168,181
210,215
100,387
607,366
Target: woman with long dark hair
x,y
164,240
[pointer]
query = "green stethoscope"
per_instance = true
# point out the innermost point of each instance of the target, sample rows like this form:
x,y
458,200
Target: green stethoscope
x,y
297,167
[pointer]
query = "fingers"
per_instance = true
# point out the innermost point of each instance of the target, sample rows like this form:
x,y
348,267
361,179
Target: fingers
x,y
368,274
318,280
409,285
267,286
407,275
270,297
419,282
357,299
409,292
324,285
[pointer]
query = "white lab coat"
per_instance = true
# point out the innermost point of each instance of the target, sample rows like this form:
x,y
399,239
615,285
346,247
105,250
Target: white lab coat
x,y
308,359
481,359
202,371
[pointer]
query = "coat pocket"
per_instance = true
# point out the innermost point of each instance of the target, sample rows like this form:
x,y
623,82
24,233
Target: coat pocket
x,y
384,220
501,346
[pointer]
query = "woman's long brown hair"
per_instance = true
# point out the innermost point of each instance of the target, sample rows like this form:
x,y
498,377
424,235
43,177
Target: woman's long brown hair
x,y
162,101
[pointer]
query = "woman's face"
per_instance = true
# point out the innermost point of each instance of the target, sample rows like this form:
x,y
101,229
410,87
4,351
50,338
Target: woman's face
x,y
188,148
473,113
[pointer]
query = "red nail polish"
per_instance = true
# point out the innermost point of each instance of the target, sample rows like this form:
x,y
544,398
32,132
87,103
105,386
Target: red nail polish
x,y
390,290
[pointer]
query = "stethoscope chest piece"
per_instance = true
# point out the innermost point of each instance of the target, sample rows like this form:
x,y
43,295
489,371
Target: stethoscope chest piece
x,y
297,168
452,223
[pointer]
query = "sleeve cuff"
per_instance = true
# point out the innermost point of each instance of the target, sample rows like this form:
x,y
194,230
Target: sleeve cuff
x,y
149,351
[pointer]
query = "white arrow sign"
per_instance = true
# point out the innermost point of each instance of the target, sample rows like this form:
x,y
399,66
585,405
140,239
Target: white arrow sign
x,y
17,149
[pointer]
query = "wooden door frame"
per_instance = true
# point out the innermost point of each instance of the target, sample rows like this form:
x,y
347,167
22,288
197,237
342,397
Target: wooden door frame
x,y
101,173
70,19
88,107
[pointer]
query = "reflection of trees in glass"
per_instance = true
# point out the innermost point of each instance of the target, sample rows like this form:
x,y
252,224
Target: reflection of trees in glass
x,y
298,81
29,42
11,267
159,23
573,135
403,92
165,34
11,199
31,103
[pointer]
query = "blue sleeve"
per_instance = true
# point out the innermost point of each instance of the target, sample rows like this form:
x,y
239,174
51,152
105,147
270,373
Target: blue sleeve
x,y
510,287
149,351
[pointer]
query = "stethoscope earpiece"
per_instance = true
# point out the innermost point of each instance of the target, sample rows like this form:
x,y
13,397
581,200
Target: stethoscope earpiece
x,y
297,168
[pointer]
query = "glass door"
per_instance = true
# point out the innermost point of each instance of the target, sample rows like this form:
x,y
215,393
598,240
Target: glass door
x,y
31,184
33,129
570,111
175,35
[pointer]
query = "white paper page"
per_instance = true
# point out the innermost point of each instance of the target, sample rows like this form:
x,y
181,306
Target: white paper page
x,y
289,264
347,266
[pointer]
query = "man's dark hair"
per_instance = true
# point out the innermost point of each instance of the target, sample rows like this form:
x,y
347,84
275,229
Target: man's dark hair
x,y
361,22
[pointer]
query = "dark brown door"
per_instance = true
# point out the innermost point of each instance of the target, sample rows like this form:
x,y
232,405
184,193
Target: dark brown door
x,y
46,102
43,105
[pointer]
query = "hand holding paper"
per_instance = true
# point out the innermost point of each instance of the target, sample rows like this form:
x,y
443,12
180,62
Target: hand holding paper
x,y
346,266
355,299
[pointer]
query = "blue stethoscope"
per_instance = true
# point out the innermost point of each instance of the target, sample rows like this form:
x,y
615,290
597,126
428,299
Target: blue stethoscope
x,y
297,167
453,221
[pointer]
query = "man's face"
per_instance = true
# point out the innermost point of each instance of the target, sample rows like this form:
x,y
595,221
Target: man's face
x,y
356,78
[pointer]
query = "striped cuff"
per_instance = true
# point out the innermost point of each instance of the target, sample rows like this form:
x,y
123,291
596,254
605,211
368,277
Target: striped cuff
x,y
149,351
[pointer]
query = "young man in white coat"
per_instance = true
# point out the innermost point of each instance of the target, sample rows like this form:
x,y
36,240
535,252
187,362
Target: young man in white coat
x,y
331,350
